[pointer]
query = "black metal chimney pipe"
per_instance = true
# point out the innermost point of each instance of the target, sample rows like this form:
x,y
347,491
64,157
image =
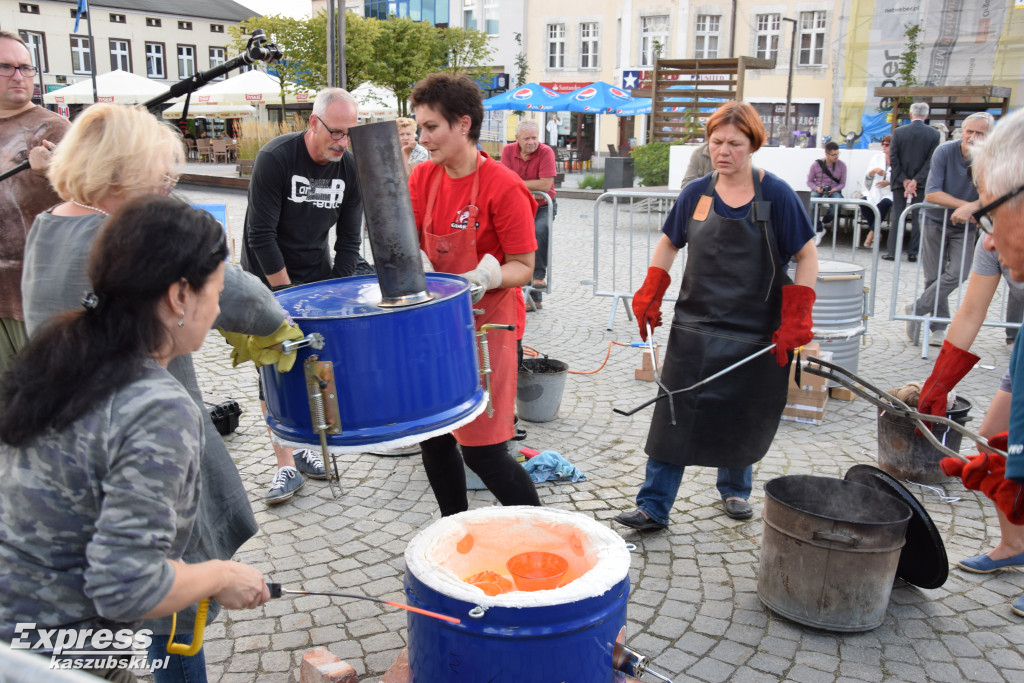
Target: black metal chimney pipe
x,y
389,217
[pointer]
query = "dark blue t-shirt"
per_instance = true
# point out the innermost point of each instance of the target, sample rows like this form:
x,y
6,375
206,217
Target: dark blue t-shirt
x,y
789,218
1015,448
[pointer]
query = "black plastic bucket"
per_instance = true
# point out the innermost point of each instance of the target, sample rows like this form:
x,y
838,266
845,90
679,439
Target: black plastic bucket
x,y
906,455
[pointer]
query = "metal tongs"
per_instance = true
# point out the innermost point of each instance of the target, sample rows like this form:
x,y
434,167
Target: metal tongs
x,y
670,394
891,404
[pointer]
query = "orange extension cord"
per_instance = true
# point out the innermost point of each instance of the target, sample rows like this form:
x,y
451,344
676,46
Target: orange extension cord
x,y
533,353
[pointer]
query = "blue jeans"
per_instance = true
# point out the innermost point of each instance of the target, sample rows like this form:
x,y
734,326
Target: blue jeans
x,y
542,228
661,485
180,669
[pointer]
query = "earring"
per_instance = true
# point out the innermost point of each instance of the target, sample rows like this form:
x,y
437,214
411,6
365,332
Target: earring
x,y
181,320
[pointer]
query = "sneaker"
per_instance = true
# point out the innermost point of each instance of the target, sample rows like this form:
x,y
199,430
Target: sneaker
x,y
936,338
309,463
913,326
1018,606
286,482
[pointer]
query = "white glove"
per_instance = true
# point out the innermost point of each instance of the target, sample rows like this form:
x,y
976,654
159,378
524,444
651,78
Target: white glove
x,y
428,267
486,276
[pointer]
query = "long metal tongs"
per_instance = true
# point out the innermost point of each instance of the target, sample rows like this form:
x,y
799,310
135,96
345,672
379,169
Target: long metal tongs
x,y
891,404
670,394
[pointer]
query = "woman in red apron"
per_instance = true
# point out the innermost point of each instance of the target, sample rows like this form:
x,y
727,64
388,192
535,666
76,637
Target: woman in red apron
x,y
475,218
742,226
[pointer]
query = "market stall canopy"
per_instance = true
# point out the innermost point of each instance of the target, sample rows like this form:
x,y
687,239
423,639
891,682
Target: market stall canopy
x,y
118,86
639,105
375,101
529,97
596,98
251,87
210,111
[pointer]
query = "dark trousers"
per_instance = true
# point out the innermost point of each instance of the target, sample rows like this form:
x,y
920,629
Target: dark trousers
x,y
495,466
912,237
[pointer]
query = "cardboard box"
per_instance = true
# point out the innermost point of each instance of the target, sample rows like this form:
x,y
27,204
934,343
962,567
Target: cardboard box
x,y
806,403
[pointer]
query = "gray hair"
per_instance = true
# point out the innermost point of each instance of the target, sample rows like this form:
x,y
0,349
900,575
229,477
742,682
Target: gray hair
x,y
981,116
920,110
998,164
527,123
329,96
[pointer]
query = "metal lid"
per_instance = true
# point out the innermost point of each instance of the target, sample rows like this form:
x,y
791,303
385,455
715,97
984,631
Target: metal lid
x,y
356,296
923,561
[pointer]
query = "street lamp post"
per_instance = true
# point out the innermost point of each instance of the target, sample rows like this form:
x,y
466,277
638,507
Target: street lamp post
x,y
789,82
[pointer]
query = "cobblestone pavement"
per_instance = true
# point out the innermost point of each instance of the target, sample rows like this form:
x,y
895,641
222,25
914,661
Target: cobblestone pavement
x,y
694,608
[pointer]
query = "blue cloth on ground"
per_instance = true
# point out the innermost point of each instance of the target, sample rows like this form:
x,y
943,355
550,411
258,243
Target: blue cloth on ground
x,y
551,466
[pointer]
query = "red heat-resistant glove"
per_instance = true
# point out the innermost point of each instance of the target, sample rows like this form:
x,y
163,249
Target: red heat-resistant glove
x,y
795,324
647,300
951,366
986,473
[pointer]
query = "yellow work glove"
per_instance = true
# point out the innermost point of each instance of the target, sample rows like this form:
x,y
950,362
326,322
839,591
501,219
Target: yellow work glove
x,y
267,350
239,346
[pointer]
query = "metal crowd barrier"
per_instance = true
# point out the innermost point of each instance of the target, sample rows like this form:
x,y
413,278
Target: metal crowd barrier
x,y
625,266
550,208
876,226
897,312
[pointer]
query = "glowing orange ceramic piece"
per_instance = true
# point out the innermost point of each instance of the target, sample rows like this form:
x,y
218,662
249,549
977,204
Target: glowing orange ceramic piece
x,y
490,582
537,571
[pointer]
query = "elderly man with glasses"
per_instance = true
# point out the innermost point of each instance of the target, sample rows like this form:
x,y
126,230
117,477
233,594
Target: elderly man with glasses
x,y
24,130
303,184
948,237
998,170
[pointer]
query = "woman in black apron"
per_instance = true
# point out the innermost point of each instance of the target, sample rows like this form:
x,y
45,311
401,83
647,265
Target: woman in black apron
x,y
742,226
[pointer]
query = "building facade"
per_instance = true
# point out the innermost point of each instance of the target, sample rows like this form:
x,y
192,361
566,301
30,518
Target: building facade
x,y
165,42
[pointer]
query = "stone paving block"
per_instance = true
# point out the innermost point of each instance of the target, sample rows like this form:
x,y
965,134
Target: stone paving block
x,y
805,674
711,670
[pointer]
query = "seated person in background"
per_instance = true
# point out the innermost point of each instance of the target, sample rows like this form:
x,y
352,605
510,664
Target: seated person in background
x,y
412,152
877,189
100,445
827,178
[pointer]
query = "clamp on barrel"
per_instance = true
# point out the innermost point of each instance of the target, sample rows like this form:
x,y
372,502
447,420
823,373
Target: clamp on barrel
x,y
485,358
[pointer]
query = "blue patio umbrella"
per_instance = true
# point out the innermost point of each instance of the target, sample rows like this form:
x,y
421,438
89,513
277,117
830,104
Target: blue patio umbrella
x,y
529,97
639,105
596,98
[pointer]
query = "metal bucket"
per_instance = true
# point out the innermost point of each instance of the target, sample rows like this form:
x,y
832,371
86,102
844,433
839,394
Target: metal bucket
x,y
567,634
400,375
829,551
839,312
540,387
905,455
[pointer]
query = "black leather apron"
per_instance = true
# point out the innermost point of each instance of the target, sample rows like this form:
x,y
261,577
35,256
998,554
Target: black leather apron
x,y
729,306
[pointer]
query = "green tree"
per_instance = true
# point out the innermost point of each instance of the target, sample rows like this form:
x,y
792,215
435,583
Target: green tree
x,y
292,36
403,52
909,56
464,50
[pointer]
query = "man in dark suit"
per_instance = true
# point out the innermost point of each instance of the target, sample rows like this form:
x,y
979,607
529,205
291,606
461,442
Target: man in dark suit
x,y
910,155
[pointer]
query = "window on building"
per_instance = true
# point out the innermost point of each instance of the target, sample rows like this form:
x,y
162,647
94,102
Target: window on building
x,y
117,19
653,38
120,55
184,25
28,8
491,17
186,61
812,38
37,48
767,36
556,46
74,13
155,60
470,15
81,55
217,57
216,28
589,34
152,22
705,40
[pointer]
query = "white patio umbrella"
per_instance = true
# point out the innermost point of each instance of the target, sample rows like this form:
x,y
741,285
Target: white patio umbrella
x,y
375,102
210,111
118,86
251,87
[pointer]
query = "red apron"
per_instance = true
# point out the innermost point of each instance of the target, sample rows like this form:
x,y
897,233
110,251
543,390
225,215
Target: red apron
x,y
456,253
